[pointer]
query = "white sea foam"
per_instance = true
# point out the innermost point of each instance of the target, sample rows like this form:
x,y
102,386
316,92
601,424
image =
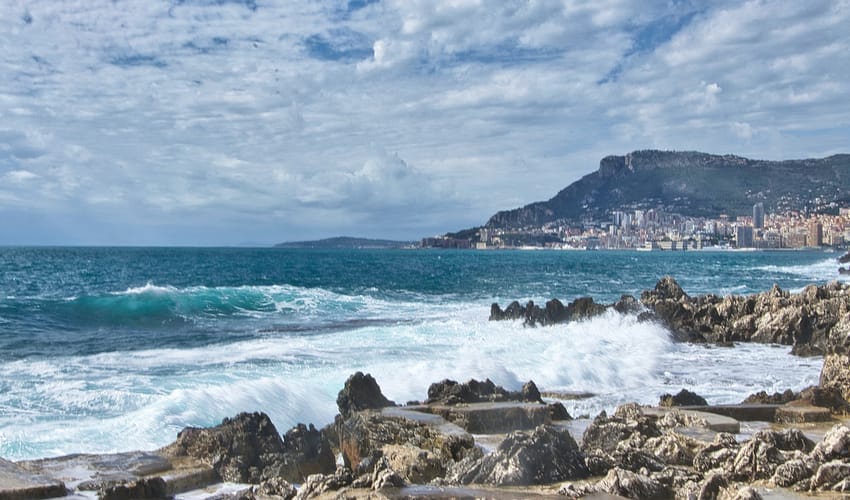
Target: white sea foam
x,y
141,399
819,272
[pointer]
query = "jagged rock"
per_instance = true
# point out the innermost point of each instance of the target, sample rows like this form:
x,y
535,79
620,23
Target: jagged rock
x,y
385,477
712,487
143,488
835,374
449,392
681,480
361,392
830,474
552,313
413,464
776,398
627,305
742,493
759,457
363,436
276,487
306,451
630,485
317,484
605,433
546,455
557,411
719,454
834,445
682,398
243,449
674,449
791,473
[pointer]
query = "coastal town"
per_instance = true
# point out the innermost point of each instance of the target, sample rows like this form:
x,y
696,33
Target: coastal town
x,y
656,230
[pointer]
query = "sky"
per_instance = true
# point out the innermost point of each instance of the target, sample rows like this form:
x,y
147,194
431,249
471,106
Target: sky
x,y
229,122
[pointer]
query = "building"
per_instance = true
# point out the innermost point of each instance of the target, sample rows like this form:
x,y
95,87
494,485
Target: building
x,y
815,236
758,216
744,236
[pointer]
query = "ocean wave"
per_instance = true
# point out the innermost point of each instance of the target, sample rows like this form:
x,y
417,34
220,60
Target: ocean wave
x,y
820,271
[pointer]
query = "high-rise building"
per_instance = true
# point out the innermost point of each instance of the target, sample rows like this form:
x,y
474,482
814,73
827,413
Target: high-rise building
x,y
758,215
744,236
815,236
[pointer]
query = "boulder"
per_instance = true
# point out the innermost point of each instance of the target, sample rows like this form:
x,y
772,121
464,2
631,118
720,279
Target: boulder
x,y
682,398
717,455
413,464
243,449
317,484
830,474
364,435
834,445
449,392
361,392
791,473
630,485
276,488
835,374
759,457
545,455
306,451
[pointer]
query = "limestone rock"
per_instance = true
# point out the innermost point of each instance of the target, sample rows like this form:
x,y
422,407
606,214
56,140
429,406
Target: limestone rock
x,y
146,488
830,474
317,484
791,473
277,488
546,455
834,445
630,485
449,392
717,455
361,392
835,374
413,464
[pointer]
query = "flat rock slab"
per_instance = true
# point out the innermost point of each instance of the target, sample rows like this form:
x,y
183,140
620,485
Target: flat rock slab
x,y
17,483
716,421
741,413
493,418
89,473
793,414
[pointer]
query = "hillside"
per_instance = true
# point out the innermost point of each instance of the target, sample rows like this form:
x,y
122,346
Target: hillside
x,y
345,242
689,183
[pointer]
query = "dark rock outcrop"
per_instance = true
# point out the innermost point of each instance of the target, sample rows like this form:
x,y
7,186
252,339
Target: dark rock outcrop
x,y
682,398
543,456
554,312
244,449
450,392
361,392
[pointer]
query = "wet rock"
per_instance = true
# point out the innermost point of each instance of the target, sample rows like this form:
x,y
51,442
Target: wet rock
x,y
778,398
545,455
627,305
557,411
742,493
449,392
631,485
759,457
682,398
243,449
361,392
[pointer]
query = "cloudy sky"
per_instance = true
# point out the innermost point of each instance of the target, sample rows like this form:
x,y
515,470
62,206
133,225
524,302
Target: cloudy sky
x,y
232,121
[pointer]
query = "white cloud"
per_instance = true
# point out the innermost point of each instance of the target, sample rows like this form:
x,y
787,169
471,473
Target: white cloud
x,y
239,117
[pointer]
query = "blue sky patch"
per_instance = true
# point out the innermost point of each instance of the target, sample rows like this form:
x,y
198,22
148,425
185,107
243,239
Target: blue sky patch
x,y
339,44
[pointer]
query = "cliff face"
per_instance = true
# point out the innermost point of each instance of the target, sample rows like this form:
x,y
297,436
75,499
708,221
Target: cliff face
x,y
689,183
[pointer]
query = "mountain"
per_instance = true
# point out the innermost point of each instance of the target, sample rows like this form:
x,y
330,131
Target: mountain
x,y
345,242
692,184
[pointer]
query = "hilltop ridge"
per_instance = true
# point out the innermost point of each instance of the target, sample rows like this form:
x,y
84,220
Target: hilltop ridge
x,y
690,183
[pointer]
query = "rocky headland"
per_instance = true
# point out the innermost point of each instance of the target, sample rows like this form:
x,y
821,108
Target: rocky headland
x,y
479,440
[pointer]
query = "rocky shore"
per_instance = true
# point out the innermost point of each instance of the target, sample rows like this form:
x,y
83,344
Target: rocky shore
x,y
479,440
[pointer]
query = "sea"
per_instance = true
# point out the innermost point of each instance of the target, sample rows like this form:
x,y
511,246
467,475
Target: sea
x,y
117,349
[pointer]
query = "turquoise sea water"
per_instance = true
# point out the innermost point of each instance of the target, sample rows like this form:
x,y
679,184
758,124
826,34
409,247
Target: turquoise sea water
x,y
109,349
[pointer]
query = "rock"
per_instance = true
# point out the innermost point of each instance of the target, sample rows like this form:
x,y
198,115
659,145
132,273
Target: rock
x,y
630,485
306,451
834,445
413,464
791,473
546,455
317,484
385,477
627,305
682,398
557,411
243,449
19,483
361,392
717,455
835,374
674,449
759,457
450,392
144,488
763,397
363,436
743,493
530,393
276,487
667,289
830,474
713,486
